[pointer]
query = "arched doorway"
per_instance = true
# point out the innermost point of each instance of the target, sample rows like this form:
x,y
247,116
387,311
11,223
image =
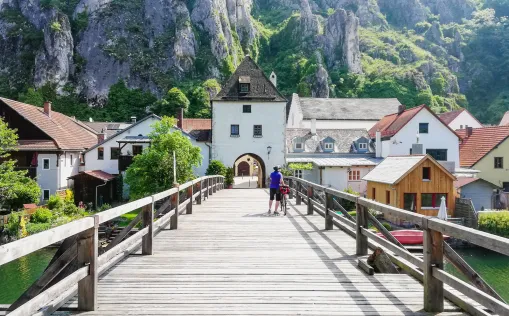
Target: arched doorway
x,y
243,169
253,166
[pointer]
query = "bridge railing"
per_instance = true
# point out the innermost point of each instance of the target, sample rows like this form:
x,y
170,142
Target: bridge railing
x,y
428,270
80,260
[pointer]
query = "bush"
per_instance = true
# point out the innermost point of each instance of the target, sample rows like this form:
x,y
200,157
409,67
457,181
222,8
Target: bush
x,y
42,215
353,214
348,205
104,207
55,202
12,226
387,226
496,223
216,168
34,228
229,176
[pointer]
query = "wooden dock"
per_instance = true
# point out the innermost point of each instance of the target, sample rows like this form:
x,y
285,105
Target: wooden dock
x,y
230,258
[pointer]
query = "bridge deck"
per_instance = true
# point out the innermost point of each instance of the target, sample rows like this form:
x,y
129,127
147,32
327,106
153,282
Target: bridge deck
x,y
230,258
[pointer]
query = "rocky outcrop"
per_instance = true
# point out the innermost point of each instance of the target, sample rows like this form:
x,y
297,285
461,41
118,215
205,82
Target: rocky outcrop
x,y
434,34
403,12
54,60
308,21
239,13
320,84
211,18
341,41
451,10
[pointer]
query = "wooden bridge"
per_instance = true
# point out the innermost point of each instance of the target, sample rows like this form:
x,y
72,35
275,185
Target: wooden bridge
x,y
221,254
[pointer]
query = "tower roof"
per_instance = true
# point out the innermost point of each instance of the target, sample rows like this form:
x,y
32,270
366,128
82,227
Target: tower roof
x,y
260,87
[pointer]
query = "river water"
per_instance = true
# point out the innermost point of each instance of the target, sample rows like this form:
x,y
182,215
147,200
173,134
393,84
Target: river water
x,y
17,276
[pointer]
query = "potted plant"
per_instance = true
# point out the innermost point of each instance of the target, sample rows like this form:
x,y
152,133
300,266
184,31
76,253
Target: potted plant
x,y
228,179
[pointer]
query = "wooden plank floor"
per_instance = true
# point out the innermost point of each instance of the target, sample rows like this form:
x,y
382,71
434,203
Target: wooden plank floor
x,y
230,258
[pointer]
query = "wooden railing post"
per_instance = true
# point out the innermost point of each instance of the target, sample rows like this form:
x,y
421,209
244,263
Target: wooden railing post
x,y
175,202
189,206
211,184
290,184
433,251
214,188
88,251
361,222
148,221
298,197
310,199
206,194
198,187
329,207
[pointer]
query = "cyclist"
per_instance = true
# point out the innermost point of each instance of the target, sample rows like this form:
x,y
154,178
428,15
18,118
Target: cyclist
x,y
276,179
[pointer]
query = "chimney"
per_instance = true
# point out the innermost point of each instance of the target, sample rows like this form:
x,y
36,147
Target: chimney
x,y
101,137
273,79
47,108
313,126
417,149
378,145
180,118
401,109
470,130
133,119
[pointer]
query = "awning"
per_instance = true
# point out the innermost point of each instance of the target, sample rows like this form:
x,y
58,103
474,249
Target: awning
x,y
98,174
134,140
337,162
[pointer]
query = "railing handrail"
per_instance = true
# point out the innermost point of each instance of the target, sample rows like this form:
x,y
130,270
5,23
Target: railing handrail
x,y
19,248
432,275
477,237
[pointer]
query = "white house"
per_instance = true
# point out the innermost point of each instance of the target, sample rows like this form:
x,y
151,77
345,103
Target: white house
x,y
396,134
460,119
249,117
49,144
340,157
114,154
347,113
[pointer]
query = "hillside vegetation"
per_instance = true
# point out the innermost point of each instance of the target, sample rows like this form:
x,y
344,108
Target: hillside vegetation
x,y
112,59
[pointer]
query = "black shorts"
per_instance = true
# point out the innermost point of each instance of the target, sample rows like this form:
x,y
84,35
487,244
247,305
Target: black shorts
x,y
275,192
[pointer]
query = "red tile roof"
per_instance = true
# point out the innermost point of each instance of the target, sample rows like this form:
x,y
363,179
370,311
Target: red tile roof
x,y
196,124
37,144
389,125
98,174
461,182
67,133
505,119
448,117
480,143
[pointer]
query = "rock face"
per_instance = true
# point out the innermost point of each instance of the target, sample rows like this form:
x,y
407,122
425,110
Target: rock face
x,y
434,34
308,21
341,42
320,84
451,10
54,61
403,12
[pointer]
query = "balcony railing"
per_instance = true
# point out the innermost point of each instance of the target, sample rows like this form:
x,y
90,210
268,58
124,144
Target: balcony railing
x,y
32,171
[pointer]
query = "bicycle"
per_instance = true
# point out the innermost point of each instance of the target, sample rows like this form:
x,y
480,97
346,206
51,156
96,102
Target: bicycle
x,y
284,190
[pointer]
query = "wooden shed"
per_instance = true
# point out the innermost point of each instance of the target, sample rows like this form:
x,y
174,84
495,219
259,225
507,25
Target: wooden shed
x,y
95,186
415,183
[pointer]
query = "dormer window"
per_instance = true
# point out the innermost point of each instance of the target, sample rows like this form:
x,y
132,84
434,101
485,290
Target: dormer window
x,y
244,84
298,146
329,146
363,146
244,87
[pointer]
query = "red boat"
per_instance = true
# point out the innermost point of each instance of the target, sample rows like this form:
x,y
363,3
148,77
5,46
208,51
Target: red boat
x,y
408,237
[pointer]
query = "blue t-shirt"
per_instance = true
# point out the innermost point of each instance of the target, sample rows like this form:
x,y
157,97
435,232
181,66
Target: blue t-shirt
x,y
275,179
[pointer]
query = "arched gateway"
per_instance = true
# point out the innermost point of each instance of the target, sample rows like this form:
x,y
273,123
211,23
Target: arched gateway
x,y
255,163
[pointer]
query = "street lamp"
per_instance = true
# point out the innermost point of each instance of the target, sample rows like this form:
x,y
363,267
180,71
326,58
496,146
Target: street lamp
x,y
269,149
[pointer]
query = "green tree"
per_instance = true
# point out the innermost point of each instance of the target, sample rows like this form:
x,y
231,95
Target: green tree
x,y
15,188
199,103
124,102
152,171
216,168
173,100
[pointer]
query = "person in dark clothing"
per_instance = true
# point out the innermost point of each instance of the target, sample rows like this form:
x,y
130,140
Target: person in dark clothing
x,y
276,179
